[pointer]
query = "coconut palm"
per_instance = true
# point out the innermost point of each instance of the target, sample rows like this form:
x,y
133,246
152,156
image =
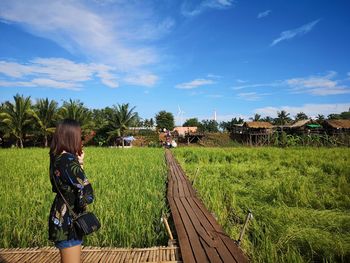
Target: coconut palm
x,y
45,114
17,117
120,120
257,117
282,117
320,117
301,116
75,109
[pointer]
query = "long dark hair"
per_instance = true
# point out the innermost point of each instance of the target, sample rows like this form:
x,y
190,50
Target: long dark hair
x,y
67,137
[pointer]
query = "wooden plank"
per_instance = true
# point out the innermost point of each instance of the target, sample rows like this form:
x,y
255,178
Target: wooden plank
x,y
212,253
146,256
53,256
184,242
235,251
221,247
197,223
180,186
124,257
170,186
172,255
95,257
132,256
157,256
90,254
183,181
109,257
233,248
103,258
192,234
138,256
214,247
176,187
151,256
39,257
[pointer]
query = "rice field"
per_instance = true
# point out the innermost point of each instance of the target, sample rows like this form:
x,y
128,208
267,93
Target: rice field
x,y
130,192
299,197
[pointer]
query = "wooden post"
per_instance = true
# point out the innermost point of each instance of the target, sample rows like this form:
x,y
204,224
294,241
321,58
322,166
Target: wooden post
x,y
249,216
172,241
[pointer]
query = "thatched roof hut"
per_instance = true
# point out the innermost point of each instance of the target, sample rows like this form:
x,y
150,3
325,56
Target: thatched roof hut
x,y
258,125
338,124
253,132
305,127
299,124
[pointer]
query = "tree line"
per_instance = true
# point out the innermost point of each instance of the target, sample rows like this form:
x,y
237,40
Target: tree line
x,y
283,118
22,120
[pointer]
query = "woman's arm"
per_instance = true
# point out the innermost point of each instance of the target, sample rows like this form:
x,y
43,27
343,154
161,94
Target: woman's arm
x,y
78,180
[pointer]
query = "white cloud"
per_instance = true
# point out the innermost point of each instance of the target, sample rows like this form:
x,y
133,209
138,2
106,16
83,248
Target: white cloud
x,y
271,84
289,34
55,73
187,8
45,83
142,80
55,84
318,85
112,33
195,84
16,84
263,14
311,110
249,96
214,76
241,81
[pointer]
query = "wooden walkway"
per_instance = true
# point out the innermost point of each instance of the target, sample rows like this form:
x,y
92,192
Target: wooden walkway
x,y
93,255
201,238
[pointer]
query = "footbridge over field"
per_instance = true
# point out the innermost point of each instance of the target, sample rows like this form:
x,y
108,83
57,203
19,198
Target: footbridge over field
x,y
201,238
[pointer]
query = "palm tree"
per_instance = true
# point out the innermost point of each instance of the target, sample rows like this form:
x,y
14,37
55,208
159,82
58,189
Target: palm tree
x,y
75,109
45,114
301,116
267,119
257,117
120,120
320,117
17,117
282,117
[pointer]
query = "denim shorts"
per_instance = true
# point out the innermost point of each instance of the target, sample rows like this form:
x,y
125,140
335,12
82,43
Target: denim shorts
x,y
68,243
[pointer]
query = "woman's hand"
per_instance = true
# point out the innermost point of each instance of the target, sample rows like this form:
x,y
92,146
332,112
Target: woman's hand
x,y
81,159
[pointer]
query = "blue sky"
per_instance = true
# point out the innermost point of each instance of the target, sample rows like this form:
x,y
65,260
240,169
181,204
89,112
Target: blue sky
x,y
233,57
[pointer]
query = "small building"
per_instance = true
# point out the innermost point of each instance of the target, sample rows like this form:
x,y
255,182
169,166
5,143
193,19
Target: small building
x,y
183,131
127,141
258,126
253,133
188,134
237,128
336,127
305,127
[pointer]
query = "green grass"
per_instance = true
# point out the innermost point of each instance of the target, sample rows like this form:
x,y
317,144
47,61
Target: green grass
x,y
300,199
129,187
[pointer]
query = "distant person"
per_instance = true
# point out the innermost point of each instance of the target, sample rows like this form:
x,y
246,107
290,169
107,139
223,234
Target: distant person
x,y
173,144
66,172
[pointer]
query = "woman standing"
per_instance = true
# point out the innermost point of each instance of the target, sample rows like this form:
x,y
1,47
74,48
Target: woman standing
x,y
67,174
